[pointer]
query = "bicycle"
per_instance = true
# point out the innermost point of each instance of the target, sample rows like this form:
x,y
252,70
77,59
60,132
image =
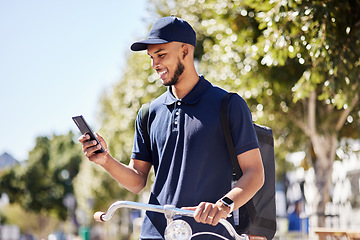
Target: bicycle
x,y
176,229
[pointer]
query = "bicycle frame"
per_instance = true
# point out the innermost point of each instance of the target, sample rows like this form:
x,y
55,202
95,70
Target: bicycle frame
x,y
169,212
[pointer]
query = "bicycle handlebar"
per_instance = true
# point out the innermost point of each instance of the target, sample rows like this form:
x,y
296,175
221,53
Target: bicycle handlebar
x,y
169,211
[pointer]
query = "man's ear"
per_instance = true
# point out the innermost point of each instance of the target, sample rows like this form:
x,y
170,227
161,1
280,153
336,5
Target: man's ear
x,y
185,50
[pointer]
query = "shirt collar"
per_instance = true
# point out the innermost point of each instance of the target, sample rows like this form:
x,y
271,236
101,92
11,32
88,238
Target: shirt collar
x,y
193,96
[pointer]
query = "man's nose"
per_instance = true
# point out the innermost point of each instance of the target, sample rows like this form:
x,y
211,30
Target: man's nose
x,y
154,63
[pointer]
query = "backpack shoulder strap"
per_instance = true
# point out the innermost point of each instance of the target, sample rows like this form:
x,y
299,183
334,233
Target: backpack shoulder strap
x,y
224,117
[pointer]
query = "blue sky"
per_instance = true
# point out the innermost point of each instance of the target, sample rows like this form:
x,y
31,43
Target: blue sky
x,y
56,59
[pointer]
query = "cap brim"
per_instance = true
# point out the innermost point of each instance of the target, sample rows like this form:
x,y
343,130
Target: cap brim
x,y
142,45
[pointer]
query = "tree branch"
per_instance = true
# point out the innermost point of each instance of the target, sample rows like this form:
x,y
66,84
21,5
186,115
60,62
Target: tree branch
x,y
311,118
297,120
345,113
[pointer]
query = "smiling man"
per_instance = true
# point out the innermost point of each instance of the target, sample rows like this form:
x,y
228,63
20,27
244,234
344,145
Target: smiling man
x,y
168,60
186,146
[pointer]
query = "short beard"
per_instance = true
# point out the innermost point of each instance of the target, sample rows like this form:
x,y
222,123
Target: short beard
x,y
179,70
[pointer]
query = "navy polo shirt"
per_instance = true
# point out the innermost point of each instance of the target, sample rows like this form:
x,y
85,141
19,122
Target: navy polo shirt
x,y
189,152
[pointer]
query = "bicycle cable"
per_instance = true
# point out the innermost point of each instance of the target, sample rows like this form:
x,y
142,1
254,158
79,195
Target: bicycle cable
x,y
208,233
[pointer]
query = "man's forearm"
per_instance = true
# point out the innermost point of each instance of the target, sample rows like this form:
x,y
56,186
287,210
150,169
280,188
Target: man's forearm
x,y
130,178
251,180
245,188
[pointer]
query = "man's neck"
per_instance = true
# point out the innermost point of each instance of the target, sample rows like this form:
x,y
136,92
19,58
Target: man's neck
x,y
185,84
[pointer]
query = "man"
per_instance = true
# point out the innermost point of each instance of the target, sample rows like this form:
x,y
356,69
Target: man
x,y
187,146
296,222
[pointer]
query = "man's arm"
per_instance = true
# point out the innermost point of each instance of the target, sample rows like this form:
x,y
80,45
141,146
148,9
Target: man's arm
x,y
252,179
245,188
133,177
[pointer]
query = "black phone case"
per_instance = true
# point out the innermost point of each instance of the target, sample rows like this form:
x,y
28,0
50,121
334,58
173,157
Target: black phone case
x,y
85,128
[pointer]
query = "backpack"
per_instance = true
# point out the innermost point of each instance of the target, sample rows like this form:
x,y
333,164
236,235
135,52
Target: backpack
x,y
258,215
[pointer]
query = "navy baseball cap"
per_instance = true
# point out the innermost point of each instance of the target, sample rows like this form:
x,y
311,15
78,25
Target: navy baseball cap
x,y
165,30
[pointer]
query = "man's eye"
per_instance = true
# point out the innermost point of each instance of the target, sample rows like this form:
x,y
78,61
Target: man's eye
x,y
161,55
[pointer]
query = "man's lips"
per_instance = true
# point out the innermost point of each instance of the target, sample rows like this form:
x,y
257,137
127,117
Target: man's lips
x,y
162,74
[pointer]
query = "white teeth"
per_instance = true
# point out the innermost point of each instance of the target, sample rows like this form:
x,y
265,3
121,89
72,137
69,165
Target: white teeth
x,y
162,74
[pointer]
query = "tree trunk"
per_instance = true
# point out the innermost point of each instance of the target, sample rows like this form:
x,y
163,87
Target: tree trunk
x,y
324,148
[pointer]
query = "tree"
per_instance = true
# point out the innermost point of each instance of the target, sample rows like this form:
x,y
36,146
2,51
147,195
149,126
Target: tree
x,y
295,62
29,222
41,184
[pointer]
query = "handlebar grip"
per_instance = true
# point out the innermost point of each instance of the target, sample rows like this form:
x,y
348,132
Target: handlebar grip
x,y
98,216
252,237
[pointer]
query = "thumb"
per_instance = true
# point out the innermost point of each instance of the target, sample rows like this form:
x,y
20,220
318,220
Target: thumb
x,y
189,208
99,137
101,140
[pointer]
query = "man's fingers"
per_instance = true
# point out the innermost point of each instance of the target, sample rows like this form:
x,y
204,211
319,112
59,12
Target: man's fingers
x,y
101,140
189,208
88,144
84,138
213,217
205,214
198,211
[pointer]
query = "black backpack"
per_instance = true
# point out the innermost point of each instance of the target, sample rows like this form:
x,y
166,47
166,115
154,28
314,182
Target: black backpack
x,y
258,215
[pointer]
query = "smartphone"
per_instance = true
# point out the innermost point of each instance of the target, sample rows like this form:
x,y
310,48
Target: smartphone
x,y
85,129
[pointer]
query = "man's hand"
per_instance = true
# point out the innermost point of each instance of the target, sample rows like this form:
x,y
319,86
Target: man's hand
x,y
89,147
209,213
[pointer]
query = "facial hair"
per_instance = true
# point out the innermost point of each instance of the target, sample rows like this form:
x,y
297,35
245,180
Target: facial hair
x,y
179,70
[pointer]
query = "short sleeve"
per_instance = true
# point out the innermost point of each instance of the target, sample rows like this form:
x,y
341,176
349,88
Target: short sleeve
x,y
241,125
141,147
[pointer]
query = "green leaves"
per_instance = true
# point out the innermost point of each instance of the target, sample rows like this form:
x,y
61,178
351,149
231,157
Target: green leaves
x,y
40,184
274,53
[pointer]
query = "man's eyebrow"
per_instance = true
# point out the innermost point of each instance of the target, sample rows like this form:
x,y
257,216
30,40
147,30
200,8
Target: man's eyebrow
x,y
161,49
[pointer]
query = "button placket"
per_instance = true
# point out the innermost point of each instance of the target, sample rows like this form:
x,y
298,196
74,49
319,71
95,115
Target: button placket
x,y
176,114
